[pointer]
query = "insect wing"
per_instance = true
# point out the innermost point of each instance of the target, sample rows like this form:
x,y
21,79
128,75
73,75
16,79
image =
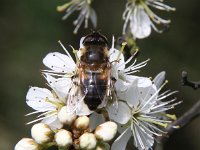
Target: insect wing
x,y
75,97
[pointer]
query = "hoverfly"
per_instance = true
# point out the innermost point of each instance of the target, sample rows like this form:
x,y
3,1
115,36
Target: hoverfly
x,y
92,80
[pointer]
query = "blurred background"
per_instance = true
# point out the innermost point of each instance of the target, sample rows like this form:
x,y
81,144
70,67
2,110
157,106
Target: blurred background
x,y
30,29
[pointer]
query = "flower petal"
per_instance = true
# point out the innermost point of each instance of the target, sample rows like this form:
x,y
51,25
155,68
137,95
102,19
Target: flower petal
x,y
61,86
159,79
143,140
95,120
140,23
53,122
122,115
82,109
59,62
114,54
140,92
144,82
121,142
36,98
93,17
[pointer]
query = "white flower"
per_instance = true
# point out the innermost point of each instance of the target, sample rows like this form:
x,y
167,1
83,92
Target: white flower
x,y
120,69
41,133
64,68
139,18
47,103
95,120
63,138
60,63
86,12
143,115
26,144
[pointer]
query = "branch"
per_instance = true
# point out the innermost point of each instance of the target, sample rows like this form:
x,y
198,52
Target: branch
x,y
181,122
186,82
187,117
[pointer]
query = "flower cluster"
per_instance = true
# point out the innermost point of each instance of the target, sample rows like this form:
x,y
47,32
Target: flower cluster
x,y
138,16
78,136
134,108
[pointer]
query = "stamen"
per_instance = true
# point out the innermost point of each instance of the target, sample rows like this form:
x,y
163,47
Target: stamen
x,y
36,120
64,6
153,121
47,113
75,53
35,112
176,127
146,128
153,95
65,50
162,104
167,95
121,50
170,116
70,10
126,62
154,128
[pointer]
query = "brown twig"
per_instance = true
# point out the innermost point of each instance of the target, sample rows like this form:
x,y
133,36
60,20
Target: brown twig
x,y
186,82
181,122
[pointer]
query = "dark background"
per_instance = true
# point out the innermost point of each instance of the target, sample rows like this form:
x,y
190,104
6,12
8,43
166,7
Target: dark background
x,y
29,29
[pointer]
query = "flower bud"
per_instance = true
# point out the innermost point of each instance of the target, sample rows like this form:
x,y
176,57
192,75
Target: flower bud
x,y
66,117
26,144
41,133
102,146
87,141
106,131
82,122
63,138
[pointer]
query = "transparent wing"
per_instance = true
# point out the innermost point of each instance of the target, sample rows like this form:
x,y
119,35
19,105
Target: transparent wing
x,y
111,96
75,96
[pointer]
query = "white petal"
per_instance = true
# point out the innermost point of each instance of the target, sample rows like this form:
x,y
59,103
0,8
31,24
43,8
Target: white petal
x,y
50,120
53,122
140,23
82,109
131,95
95,120
114,72
114,53
143,140
140,92
121,142
120,85
130,78
93,17
61,86
159,79
144,82
81,42
59,62
122,115
36,98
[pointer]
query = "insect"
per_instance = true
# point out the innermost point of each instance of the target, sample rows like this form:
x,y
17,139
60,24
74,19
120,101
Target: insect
x,y
93,77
